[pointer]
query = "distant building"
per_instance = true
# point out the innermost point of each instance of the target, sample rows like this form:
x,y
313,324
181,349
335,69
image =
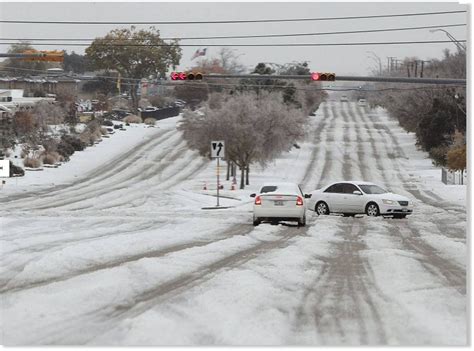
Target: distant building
x,y
40,85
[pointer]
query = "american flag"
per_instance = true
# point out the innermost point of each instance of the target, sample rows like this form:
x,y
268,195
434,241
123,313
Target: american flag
x,y
198,53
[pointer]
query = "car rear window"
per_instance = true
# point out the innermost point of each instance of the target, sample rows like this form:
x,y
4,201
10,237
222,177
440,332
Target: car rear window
x,y
280,188
268,189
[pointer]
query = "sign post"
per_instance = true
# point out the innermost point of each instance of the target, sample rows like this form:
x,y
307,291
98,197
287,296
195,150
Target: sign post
x,y
217,151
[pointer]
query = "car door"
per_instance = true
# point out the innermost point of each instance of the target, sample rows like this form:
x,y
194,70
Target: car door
x,y
334,196
353,203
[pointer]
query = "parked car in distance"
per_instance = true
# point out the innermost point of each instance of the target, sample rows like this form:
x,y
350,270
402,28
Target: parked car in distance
x,y
362,102
356,197
344,98
280,202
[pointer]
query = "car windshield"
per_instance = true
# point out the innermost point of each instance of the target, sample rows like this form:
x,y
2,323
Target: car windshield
x,y
372,189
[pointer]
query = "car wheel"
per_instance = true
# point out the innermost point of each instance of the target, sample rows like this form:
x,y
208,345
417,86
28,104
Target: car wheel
x,y
302,223
400,216
322,208
372,209
256,221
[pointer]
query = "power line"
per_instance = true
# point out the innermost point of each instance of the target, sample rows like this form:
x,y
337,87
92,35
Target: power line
x,y
254,36
235,21
205,85
257,45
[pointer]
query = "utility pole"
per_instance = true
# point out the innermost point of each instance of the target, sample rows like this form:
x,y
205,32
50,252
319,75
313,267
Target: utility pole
x,y
422,66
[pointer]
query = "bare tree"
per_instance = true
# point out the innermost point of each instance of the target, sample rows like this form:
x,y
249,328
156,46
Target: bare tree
x,y
254,128
46,114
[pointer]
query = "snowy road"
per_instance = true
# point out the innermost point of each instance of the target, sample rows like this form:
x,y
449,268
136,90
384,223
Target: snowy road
x,y
124,255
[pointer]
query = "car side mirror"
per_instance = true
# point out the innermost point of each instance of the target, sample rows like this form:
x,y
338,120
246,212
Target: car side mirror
x,y
307,196
357,192
253,195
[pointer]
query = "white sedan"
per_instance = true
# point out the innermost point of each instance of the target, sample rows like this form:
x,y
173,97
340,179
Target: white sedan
x,y
350,198
280,202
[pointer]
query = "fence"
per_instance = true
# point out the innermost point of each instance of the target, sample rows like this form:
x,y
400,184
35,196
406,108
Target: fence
x,y
162,113
453,177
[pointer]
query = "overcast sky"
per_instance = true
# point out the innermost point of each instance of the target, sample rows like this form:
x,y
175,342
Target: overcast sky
x,y
342,60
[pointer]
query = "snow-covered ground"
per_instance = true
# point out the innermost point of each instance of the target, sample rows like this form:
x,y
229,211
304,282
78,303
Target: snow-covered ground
x,y
114,248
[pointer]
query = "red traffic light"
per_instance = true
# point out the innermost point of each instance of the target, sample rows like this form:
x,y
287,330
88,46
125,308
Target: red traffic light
x,y
178,76
318,76
186,76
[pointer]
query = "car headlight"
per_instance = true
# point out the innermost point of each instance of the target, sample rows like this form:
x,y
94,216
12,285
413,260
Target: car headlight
x,y
389,202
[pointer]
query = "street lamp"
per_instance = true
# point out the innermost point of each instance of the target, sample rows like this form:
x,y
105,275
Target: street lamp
x,y
460,46
376,59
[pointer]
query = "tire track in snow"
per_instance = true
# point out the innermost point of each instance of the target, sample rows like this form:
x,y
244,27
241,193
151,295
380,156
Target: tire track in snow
x,y
316,150
38,251
240,229
120,181
438,266
88,185
454,275
137,191
430,197
328,158
98,321
347,274
341,295
117,164
441,224
363,171
347,160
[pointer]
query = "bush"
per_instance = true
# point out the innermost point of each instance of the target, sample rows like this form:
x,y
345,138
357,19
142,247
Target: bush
x,y
65,149
438,154
50,158
86,137
132,119
150,121
50,145
68,145
75,142
103,131
32,162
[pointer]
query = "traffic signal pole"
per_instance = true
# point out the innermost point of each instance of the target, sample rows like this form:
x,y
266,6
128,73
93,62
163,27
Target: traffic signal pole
x,y
342,78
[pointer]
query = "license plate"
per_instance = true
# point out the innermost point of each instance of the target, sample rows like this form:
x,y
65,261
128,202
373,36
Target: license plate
x,y
278,203
404,210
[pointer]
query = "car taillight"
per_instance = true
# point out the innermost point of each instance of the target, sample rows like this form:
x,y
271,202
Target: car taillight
x,y
299,201
258,200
